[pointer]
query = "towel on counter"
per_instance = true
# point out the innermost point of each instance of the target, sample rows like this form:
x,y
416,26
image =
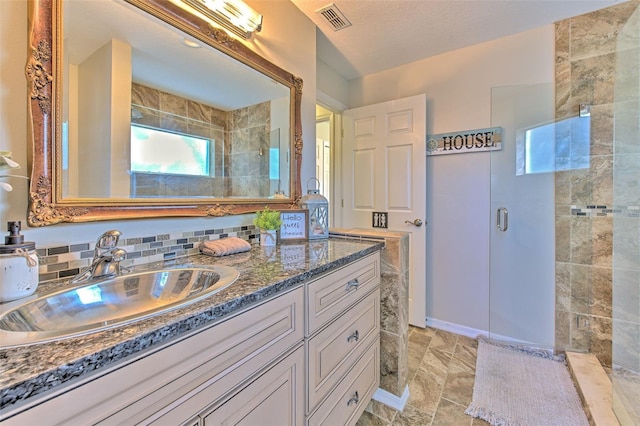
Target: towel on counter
x,y
224,246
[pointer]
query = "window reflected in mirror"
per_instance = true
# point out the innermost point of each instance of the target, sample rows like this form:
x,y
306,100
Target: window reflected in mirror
x,y
161,151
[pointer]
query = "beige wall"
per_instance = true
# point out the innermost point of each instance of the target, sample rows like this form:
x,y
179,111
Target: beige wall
x,y
287,39
13,103
333,86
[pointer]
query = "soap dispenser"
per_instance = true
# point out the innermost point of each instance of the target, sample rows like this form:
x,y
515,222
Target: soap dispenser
x,y
18,265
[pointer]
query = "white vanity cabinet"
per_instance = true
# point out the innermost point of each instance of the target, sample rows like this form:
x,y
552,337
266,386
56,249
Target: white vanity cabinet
x,y
342,342
308,356
183,382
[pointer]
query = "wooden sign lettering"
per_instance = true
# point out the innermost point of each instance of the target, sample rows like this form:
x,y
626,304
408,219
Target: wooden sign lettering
x,y
466,141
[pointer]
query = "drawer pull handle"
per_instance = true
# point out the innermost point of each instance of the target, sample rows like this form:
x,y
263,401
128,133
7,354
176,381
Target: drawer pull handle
x,y
353,283
354,400
355,336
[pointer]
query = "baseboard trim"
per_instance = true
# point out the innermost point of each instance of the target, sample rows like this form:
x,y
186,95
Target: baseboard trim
x,y
455,328
474,332
391,400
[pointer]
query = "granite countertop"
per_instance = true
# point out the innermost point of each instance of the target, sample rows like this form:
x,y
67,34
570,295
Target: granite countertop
x,y
26,371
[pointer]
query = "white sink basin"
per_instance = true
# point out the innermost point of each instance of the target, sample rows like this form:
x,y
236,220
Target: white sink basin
x,y
108,303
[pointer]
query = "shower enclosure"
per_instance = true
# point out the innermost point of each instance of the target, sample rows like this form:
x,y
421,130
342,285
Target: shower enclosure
x,y
626,225
565,202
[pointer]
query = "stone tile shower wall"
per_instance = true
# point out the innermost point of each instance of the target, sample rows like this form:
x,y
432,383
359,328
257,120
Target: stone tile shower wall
x,y
157,109
241,145
626,228
585,205
248,153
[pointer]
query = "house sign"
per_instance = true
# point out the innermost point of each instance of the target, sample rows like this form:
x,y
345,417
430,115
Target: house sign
x,y
465,141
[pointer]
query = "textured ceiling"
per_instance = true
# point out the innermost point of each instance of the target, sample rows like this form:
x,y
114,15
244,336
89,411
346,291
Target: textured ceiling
x,y
388,33
159,57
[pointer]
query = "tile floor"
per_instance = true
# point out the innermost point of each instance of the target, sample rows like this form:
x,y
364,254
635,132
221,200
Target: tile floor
x,y
441,376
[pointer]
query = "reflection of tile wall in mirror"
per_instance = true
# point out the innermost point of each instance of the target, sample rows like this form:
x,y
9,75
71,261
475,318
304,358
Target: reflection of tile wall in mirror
x,y
248,158
244,158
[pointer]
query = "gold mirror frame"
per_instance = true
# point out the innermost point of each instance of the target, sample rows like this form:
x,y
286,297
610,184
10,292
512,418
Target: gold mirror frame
x,y
43,72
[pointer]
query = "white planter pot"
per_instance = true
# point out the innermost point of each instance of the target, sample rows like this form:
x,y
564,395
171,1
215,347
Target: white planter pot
x,y
268,237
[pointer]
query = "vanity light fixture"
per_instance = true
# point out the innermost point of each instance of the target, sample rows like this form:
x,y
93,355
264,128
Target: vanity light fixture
x,y
232,15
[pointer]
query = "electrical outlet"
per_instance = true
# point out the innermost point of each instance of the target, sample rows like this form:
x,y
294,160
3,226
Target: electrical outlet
x,y
582,322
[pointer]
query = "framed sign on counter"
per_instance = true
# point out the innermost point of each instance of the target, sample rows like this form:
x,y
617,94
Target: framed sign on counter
x,y
294,225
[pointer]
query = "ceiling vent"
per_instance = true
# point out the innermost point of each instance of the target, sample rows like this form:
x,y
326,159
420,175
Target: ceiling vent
x,y
334,16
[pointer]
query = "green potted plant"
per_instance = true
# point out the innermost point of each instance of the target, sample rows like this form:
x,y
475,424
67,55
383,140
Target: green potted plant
x,y
268,222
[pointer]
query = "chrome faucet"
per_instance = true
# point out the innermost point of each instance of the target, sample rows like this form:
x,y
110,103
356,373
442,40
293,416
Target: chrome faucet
x,y
106,259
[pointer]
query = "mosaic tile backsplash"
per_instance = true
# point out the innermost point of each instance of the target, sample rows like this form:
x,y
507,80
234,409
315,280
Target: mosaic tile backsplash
x,y
66,261
605,211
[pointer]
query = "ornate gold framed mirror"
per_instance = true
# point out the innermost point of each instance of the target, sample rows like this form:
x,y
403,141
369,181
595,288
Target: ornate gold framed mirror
x,y
164,115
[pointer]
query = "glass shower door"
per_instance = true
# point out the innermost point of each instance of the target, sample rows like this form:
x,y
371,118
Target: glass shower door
x,y
522,236
626,225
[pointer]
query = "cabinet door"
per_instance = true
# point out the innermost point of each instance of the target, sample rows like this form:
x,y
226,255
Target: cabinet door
x,y
347,401
275,398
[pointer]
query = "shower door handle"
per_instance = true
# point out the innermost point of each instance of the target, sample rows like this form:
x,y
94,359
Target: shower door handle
x,y
502,219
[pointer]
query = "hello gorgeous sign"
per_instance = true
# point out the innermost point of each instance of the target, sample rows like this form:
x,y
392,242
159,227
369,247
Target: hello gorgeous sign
x,y
465,141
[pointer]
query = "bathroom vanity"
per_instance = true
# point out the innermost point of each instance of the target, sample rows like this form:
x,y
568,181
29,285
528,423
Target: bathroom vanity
x,y
294,341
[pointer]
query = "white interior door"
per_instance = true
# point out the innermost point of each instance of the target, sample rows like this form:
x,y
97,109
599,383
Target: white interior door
x,y
326,175
384,170
320,163
323,166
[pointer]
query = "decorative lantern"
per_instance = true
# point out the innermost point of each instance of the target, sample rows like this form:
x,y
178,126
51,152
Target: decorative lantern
x,y
318,207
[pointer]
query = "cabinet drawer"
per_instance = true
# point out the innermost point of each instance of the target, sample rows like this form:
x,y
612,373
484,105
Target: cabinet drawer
x,y
329,295
349,399
333,351
197,371
274,398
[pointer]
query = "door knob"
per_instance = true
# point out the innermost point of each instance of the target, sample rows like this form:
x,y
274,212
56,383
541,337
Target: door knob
x,y
417,222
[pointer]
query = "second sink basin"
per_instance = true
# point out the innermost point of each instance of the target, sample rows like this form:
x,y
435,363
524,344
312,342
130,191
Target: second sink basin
x,y
107,303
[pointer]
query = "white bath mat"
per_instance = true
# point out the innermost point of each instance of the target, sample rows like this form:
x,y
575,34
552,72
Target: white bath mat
x,y
523,387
